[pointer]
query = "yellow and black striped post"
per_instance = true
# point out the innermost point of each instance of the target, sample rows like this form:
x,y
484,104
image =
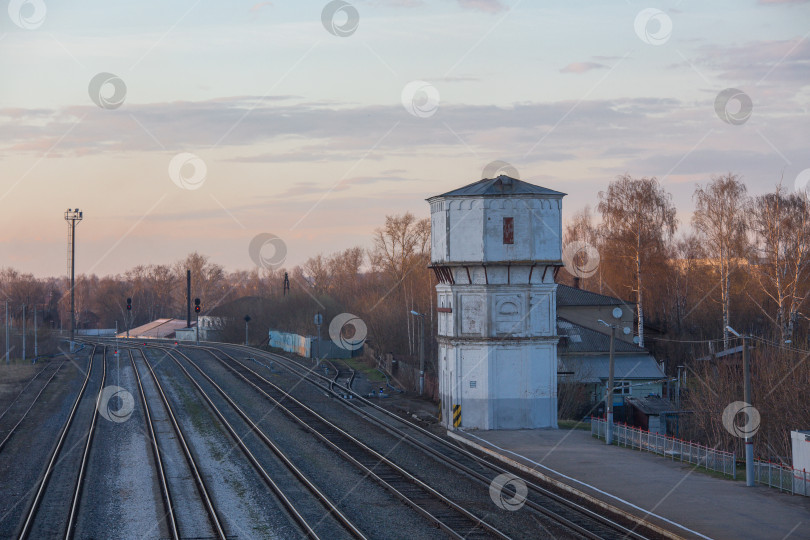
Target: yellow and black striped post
x,y
456,415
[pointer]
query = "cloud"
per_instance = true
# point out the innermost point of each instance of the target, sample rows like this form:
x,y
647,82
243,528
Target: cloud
x,y
488,6
773,60
581,67
258,6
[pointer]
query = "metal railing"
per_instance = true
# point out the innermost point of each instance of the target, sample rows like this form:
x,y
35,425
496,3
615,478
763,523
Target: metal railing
x,y
671,447
775,475
783,478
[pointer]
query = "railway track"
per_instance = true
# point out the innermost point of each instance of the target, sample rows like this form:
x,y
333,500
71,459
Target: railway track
x,y
52,368
344,376
193,469
157,453
572,515
59,464
444,513
326,505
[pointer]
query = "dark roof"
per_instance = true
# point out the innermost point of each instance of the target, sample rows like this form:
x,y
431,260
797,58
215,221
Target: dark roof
x,y
571,296
581,340
651,404
501,186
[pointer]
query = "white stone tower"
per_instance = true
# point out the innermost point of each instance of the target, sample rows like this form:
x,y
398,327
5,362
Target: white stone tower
x,y
495,248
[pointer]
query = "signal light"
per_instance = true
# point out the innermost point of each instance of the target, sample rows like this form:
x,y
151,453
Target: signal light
x,y
129,304
197,309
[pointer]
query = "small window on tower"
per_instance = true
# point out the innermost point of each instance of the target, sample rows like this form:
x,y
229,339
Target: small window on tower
x,y
508,230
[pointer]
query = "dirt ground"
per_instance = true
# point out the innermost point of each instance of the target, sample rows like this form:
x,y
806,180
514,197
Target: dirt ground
x,y
13,378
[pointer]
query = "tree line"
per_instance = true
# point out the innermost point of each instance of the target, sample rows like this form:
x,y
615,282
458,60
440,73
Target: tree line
x,y
740,261
743,265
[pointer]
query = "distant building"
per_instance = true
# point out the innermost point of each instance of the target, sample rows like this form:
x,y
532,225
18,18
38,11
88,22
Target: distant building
x,y
584,348
210,329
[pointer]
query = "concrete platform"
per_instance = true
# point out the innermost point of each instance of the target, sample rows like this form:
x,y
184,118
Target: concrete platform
x,y
671,495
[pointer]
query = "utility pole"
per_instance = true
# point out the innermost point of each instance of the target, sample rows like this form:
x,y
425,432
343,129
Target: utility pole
x,y
749,443
188,298
36,352
7,357
72,217
421,351
23,333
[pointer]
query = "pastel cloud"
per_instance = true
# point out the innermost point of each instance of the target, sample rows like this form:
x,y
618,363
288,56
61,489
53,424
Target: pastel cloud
x,y
581,67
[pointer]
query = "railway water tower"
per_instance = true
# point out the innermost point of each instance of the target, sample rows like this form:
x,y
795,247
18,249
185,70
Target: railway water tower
x,y
495,247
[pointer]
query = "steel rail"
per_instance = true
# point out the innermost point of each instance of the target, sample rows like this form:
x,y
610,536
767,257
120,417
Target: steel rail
x,y
46,475
36,398
443,523
338,371
330,506
307,374
195,472
77,492
156,450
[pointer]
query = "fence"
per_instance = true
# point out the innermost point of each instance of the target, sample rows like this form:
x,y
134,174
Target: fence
x,y
293,343
783,478
309,347
671,447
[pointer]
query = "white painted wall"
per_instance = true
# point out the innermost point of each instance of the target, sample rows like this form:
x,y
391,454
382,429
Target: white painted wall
x,y
471,229
497,343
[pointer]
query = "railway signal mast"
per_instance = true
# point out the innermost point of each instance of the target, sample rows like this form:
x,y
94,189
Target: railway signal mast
x,y
197,312
129,311
73,217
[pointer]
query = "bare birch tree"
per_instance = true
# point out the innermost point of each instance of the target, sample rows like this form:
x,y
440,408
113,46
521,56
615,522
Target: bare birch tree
x,y
720,222
638,218
781,224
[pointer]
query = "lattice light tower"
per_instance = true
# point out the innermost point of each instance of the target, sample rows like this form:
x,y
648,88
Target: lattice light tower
x,y
73,217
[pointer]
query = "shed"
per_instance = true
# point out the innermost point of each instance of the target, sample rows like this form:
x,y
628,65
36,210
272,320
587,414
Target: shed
x,y
649,412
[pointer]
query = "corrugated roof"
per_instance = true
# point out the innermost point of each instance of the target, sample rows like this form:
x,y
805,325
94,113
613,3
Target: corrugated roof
x,y
584,340
571,296
651,404
501,186
596,368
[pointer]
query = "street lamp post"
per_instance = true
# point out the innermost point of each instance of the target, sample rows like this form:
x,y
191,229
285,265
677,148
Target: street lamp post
x,y
421,351
617,313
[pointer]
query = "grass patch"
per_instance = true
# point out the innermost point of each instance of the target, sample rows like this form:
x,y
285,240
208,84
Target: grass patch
x,y
371,372
573,424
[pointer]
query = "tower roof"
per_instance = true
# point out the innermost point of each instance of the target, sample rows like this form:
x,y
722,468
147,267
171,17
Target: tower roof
x,y
498,187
